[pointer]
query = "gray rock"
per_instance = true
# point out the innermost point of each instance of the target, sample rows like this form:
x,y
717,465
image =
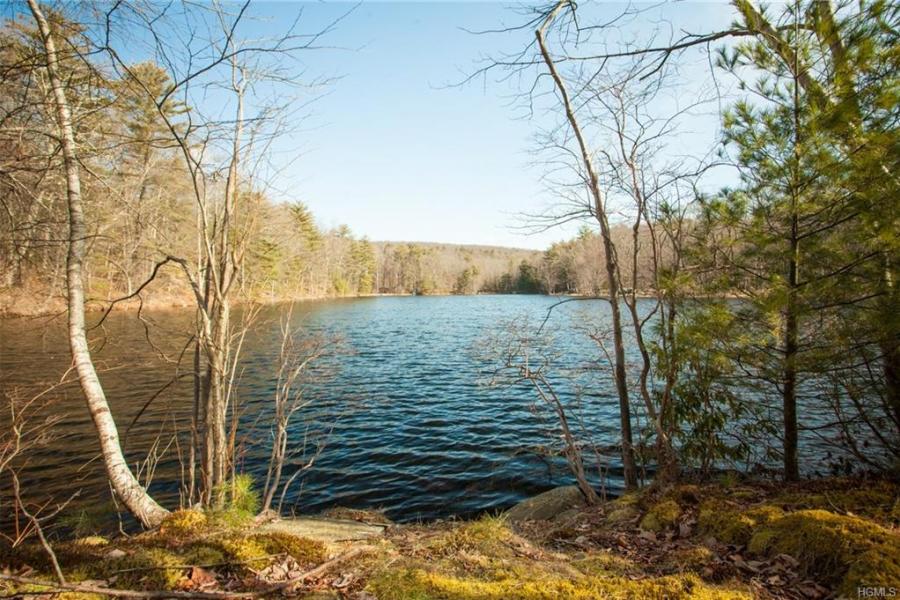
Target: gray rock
x,y
324,530
547,505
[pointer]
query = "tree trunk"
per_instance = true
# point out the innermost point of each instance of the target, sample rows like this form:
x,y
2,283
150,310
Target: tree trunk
x,y
123,482
890,342
791,470
216,439
223,259
628,464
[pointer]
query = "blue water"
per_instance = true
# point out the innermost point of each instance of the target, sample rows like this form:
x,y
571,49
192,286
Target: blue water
x,y
414,415
425,428
410,417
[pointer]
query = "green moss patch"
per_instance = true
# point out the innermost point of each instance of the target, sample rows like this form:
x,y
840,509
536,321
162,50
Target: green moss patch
x,y
605,563
661,516
303,550
488,535
840,550
731,525
877,500
421,584
147,568
184,523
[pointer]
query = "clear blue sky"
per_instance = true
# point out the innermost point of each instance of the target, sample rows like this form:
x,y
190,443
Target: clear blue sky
x,y
395,153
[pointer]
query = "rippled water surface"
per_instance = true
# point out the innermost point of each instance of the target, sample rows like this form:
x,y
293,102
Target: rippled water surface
x,y
408,419
413,425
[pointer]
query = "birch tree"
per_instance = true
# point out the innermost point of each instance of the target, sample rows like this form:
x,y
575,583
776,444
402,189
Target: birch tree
x,y
122,480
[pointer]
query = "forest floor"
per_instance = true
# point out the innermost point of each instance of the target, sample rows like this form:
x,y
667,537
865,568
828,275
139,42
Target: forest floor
x,y
830,538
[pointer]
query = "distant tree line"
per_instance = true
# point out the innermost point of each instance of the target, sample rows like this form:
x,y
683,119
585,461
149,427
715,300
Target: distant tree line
x,y
139,201
140,204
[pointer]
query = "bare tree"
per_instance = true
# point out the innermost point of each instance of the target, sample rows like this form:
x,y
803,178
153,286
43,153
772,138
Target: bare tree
x,y
124,483
298,355
225,213
610,257
525,358
607,164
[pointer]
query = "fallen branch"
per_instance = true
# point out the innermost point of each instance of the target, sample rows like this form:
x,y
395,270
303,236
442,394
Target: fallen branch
x,y
37,526
280,587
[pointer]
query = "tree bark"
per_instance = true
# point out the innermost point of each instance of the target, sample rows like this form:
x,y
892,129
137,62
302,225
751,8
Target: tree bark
x,y
123,482
789,396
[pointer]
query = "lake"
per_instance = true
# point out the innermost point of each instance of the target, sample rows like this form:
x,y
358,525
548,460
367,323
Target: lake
x,y
406,419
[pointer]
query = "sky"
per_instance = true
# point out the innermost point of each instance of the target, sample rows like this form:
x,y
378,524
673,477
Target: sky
x,y
395,150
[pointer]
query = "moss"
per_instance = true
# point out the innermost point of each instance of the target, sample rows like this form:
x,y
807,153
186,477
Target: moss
x,y
878,500
877,567
725,522
661,516
487,535
202,554
685,494
303,550
147,568
420,584
242,549
839,550
622,515
743,494
604,563
629,499
622,509
91,540
693,558
228,518
12,589
182,523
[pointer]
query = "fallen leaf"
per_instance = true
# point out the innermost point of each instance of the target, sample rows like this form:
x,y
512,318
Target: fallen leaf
x,y
201,578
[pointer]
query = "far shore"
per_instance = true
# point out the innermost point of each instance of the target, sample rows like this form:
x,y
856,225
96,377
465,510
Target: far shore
x,y
17,303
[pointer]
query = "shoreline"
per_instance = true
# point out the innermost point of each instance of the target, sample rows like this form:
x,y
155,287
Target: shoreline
x,y
18,304
742,540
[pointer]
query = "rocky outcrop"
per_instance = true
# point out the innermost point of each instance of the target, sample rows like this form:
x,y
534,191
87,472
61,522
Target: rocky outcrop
x,y
324,530
548,505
